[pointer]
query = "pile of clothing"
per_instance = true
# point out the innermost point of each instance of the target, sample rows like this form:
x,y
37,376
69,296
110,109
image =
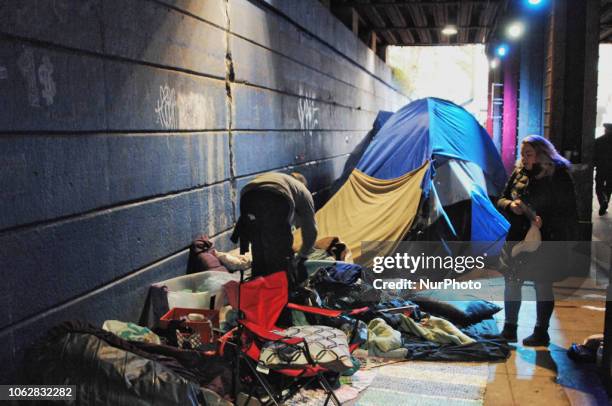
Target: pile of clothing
x,y
449,331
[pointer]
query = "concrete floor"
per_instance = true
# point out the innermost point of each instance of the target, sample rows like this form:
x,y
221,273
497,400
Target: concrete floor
x,y
546,376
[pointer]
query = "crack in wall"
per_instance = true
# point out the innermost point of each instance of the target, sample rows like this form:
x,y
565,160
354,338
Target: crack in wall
x,y
229,78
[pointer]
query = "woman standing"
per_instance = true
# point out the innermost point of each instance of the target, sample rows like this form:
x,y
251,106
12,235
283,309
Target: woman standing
x,y
539,195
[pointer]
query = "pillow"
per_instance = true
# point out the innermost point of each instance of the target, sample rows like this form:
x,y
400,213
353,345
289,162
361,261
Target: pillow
x,y
479,310
460,312
328,348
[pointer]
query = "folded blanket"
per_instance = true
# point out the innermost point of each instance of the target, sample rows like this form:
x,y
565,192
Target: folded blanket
x,y
479,346
382,337
435,329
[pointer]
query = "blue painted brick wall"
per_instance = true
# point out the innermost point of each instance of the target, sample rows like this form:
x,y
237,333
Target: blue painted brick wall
x,y
128,128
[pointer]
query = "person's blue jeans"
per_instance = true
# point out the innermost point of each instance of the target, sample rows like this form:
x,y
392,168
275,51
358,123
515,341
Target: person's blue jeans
x,y
513,299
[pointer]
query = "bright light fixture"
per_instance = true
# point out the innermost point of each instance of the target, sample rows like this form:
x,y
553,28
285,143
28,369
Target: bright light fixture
x,y
502,50
449,30
515,30
534,2
494,63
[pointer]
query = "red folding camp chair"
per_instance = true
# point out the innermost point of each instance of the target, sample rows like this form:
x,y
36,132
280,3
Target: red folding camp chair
x,y
261,301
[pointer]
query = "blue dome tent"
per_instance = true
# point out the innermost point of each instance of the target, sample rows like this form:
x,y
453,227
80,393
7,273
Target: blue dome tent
x,y
466,168
427,174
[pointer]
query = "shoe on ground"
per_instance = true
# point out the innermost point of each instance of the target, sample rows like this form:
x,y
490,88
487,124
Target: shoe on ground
x,y
509,332
539,338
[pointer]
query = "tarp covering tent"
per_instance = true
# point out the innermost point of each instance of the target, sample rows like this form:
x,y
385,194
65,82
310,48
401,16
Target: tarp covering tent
x,y
370,209
437,144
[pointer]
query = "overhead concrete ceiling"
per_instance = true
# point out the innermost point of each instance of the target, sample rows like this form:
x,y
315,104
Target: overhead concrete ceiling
x,y
420,22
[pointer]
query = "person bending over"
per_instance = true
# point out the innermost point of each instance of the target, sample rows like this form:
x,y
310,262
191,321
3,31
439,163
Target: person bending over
x,y
269,206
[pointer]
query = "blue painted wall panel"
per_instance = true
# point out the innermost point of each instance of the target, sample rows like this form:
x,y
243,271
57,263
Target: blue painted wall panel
x,y
259,109
52,90
275,71
213,11
286,148
58,22
57,262
146,31
46,177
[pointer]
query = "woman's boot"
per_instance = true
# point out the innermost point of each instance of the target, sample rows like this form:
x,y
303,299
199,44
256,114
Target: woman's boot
x,y
544,309
509,332
539,337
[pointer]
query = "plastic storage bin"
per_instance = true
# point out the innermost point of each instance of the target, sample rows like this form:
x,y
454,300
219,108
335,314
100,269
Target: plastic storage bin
x,y
202,290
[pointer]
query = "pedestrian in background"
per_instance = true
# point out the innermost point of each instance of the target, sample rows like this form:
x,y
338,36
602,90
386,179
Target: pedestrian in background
x,y
603,166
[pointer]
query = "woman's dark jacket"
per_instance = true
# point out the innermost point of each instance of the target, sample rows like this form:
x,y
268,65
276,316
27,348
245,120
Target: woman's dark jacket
x,y
553,199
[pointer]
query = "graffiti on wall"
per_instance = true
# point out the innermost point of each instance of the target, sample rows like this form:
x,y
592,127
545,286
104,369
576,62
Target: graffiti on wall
x,y
167,107
194,107
39,82
45,76
184,109
307,111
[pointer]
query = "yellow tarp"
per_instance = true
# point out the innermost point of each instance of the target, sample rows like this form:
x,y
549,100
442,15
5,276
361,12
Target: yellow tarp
x,y
370,209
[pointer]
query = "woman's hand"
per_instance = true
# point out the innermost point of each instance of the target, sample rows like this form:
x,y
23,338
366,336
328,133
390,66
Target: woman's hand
x,y
537,222
515,206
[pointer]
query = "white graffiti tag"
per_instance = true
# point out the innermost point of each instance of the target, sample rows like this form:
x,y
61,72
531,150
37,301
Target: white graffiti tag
x,y
25,62
307,112
167,109
46,80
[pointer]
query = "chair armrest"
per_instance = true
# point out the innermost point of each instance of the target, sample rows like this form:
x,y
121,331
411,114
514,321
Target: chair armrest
x,y
315,310
269,335
326,312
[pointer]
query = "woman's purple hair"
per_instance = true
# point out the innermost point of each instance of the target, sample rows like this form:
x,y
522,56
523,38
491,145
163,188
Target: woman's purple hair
x,y
545,150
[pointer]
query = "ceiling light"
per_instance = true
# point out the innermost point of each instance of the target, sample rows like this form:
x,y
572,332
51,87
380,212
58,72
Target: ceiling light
x,y
502,50
494,63
535,4
449,30
515,30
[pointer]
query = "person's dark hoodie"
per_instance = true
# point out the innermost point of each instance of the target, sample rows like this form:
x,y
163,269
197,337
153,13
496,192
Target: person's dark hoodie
x,y
300,201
